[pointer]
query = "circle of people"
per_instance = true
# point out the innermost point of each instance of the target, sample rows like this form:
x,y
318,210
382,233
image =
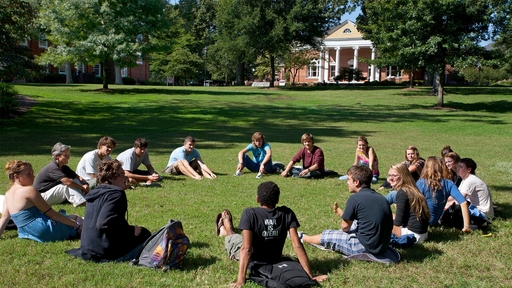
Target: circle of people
x,y
421,189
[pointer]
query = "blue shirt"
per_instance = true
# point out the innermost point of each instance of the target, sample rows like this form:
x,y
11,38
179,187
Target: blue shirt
x,y
259,154
181,154
436,205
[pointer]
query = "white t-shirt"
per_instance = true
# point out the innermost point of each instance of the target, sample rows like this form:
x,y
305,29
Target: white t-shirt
x,y
89,164
478,194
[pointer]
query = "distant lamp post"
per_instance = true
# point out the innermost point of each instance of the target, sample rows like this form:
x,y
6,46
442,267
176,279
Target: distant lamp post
x,y
205,53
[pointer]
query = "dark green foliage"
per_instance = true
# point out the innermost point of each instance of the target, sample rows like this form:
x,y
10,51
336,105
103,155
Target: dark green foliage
x,y
152,83
129,81
8,102
349,74
53,78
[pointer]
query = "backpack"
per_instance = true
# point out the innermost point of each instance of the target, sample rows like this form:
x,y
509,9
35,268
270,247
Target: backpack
x,y
452,217
284,274
165,249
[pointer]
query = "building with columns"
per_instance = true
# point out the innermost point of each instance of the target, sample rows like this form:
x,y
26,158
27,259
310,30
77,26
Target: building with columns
x,y
344,46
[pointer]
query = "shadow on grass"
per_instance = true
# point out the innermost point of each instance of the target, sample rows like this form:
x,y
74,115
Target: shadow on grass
x,y
504,212
418,253
443,234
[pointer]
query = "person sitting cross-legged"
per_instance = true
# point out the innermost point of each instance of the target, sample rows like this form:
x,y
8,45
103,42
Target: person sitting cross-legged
x,y
264,231
366,222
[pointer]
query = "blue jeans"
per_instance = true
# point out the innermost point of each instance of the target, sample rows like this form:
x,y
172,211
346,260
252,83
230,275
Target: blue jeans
x,y
391,197
255,167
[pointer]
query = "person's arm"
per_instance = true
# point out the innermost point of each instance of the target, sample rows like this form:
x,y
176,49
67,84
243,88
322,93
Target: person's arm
x,y
465,216
305,172
401,207
241,154
140,178
301,254
345,225
287,169
267,158
356,158
206,171
6,216
151,169
371,157
245,255
72,184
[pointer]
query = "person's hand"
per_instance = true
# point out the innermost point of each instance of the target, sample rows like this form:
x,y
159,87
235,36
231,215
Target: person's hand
x,y
236,284
320,278
284,173
154,177
85,188
239,167
137,230
337,210
262,169
304,172
466,229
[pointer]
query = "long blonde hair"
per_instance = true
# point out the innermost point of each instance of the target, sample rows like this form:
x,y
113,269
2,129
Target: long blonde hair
x,y
417,201
433,173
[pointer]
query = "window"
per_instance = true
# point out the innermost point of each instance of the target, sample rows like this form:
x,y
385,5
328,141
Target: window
x,y
62,69
139,58
313,69
80,68
333,70
97,70
43,43
24,42
124,72
347,31
393,71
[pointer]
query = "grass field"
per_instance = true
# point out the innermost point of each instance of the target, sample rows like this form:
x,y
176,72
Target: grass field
x,y
222,119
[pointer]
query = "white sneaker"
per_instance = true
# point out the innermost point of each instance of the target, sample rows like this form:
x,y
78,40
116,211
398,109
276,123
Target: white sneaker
x,y
238,173
259,176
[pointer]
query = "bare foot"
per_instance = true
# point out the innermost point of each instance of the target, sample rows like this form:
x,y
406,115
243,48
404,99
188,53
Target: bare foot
x,y
227,222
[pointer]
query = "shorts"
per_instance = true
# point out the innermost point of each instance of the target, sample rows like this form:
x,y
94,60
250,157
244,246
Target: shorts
x,y
420,238
341,242
173,169
233,244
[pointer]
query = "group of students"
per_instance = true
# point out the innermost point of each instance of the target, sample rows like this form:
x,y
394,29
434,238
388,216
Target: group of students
x,y
421,191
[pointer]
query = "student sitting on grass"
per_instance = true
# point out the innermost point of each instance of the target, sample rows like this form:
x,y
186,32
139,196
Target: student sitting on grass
x,y
106,234
412,214
132,158
33,216
87,168
262,157
264,232
312,160
366,222
187,161
437,189
366,156
451,160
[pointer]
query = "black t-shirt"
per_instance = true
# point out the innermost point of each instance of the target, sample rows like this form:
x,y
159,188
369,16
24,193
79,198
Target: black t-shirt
x,y
405,217
51,175
374,219
269,229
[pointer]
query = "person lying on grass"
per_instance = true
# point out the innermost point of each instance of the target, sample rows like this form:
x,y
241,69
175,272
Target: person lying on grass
x,y
33,216
366,222
187,161
264,231
312,160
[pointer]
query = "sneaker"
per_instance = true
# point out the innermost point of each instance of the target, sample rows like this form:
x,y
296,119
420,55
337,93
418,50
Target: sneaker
x,y
259,175
343,178
238,173
300,233
320,247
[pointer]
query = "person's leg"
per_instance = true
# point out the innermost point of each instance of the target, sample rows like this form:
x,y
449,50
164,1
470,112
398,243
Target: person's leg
x,y
251,165
269,168
92,183
76,197
315,239
375,178
187,170
391,197
295,171
341,242
56,195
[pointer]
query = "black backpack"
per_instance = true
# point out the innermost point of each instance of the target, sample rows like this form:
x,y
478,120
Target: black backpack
x,y
284,274
165,249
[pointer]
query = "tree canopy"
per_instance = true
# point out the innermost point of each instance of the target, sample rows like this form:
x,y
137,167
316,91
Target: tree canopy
x,y
98,31
426,33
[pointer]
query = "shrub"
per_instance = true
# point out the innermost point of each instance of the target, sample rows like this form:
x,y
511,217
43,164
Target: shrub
x,y
129,81
152,83
54,78
8,102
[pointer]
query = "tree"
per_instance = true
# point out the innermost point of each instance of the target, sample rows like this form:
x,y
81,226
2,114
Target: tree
x,y
99,31
296,59
425,33
16,26
270,27
503,24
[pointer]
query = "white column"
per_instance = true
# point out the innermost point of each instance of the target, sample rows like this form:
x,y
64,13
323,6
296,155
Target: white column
x,y
327,65
320,67
372,76
337,69
356,54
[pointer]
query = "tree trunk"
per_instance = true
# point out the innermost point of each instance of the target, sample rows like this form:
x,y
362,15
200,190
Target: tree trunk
x,y
119,78
440,94
411,78
272,70
104,76
67,69
240,73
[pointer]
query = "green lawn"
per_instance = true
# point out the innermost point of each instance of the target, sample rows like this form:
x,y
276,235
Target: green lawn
x,y
222,119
